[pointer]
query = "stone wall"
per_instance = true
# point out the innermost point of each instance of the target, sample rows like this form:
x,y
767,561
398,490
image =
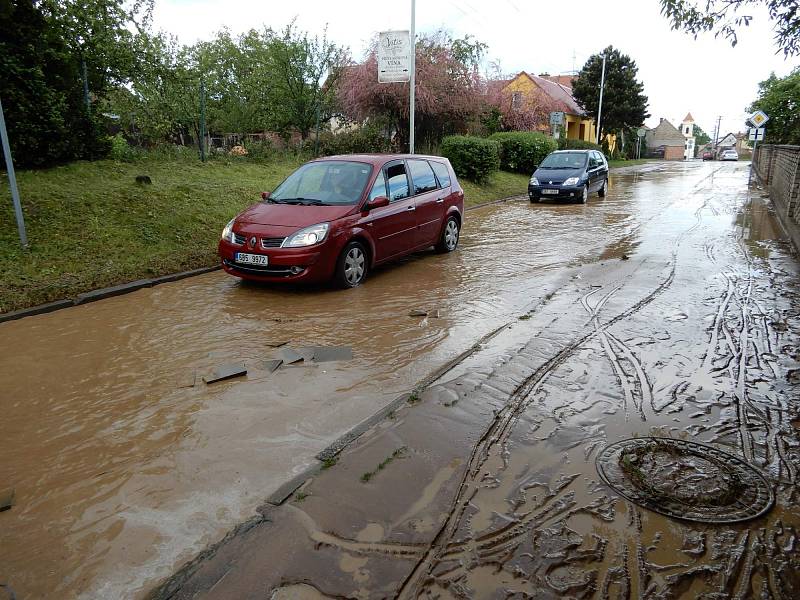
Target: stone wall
x,y
778,168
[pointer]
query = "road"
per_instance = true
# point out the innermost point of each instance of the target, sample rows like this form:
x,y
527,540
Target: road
x,y
126,465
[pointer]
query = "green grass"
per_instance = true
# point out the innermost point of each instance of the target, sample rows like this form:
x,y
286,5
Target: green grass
x,y
90,225
629,163
500,185
365,477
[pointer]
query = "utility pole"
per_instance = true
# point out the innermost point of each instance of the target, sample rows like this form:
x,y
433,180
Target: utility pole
x,y
600,105
12,180
412,80
716,135
202,120
85,84
316,140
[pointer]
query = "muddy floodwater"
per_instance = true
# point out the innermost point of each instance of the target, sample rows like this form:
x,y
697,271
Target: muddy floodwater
x,y
125,464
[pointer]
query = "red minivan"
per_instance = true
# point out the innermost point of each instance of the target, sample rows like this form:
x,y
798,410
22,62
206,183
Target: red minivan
x,y
335,218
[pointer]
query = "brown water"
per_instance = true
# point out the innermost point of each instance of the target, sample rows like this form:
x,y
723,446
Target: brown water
x,y
123,469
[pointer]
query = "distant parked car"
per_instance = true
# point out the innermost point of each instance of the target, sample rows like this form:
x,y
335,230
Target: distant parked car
x,y
338,217
729,155
569,174
708,155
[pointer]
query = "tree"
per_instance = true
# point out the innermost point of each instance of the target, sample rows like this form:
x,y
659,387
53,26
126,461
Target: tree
x,y
700,137
725,18
779,97
624,103
449,93
525,112
304,79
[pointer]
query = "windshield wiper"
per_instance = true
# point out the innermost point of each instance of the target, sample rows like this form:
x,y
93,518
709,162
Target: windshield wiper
x,y
303,201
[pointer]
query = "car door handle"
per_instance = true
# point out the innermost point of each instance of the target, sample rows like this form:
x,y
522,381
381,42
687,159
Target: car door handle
x,y
412,207
440,200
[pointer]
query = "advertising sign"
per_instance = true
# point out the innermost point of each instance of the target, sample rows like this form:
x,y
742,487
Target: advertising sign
x,y
394,56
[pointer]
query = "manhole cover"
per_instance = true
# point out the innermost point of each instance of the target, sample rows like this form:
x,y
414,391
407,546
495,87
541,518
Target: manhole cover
x,y
685,480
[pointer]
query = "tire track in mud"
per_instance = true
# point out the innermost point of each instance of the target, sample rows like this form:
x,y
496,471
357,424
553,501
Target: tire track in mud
x,y
640,396
498,431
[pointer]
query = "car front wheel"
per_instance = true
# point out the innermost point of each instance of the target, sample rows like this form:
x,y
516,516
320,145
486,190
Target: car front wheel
x,y
585,194
351,269
604,189
449,239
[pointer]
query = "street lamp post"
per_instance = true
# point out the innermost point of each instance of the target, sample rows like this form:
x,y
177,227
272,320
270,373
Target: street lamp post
x,y
12,180
412,80
600,105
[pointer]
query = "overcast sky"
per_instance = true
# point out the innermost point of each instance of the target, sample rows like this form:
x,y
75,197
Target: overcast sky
x,y
680,74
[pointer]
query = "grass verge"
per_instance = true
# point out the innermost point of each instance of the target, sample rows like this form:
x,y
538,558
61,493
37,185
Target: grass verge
x,y
90,225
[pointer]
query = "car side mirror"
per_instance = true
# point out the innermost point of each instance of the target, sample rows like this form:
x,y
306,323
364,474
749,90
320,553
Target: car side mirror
x,y
265,195
376,203
535,167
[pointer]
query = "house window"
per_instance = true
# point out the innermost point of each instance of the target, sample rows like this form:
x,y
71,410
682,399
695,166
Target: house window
x,y
516,100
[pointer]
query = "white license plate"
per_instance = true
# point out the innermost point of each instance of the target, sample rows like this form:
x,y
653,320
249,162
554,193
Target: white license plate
x,y
550,191
252,259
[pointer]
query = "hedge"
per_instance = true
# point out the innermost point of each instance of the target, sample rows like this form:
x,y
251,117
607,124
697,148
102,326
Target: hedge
x,y
472,157
363,140
522,151
565,144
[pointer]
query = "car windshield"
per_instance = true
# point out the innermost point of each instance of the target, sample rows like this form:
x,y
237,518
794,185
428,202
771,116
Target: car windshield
x,y
328,182
564,160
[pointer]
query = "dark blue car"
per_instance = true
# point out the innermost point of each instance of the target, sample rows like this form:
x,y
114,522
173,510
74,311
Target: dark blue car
x,y
569,175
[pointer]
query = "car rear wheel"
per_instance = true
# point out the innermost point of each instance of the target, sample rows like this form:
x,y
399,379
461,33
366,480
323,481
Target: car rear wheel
x,y
449,239
604,189
351,269
585,194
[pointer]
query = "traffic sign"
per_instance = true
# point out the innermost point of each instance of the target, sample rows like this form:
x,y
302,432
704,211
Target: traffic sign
x,y
758,118
394,56
756,134
556,118
641,132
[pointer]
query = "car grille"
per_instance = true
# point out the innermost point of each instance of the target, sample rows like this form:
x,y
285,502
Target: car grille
x,y
239,238
270,270
271,242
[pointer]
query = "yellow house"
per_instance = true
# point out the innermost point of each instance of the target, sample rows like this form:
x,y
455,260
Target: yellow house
x,y
541,96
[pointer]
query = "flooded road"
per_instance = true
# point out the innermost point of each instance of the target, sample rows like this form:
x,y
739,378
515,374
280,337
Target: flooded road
x,y
125,464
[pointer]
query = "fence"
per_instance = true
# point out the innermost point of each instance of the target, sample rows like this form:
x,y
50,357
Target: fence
x,y
778,168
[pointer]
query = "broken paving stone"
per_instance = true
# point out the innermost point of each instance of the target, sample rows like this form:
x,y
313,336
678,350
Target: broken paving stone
x,y
433,314
226,372
6,499
331,353
187,380
270,365
275,344
291,357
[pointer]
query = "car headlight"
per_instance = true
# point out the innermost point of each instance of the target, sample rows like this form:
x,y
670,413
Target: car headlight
x,y
571,181
227,233
534,181
307,237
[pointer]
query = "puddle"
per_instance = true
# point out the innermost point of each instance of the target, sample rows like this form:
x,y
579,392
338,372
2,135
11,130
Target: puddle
x,y
125,464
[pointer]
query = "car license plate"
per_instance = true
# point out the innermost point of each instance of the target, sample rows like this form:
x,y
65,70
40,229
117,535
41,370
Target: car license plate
x,y
252,259
549,191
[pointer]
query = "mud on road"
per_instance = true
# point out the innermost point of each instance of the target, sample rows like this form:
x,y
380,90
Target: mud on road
x,y
656,311
487,487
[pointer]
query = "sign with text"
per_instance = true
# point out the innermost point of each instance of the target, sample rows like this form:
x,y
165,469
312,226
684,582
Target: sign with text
x,y
756,134
556,118
394,56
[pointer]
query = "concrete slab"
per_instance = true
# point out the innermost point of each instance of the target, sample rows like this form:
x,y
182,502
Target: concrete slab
x,y
224,372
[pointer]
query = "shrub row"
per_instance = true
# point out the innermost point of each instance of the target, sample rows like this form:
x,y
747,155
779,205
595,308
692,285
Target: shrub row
x,y
565,144
474,158
363,140
522,151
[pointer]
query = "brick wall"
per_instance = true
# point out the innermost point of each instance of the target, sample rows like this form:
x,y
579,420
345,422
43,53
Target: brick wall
x,y
778,167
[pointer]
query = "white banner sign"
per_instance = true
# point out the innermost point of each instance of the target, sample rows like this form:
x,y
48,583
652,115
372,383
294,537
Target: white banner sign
x,y
756,134
394,57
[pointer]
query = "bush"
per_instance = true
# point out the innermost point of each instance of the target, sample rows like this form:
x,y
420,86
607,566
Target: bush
x,y
565,144
522,151
259,149
472,157
121,149
364,140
